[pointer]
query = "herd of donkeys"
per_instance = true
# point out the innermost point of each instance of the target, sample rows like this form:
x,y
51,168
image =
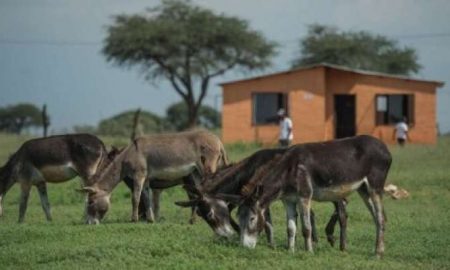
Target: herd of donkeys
x,y
322,171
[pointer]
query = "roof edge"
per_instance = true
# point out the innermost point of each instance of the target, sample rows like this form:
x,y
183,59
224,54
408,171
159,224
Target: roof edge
x,y
337,67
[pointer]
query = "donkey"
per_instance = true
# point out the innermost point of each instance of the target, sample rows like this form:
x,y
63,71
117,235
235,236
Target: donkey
x,y
53,159
215,199
326,171
214,209
163,158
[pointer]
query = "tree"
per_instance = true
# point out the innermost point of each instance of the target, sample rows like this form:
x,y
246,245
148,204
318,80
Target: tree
x,y
15,118
361,50
122,124
177,116
187,45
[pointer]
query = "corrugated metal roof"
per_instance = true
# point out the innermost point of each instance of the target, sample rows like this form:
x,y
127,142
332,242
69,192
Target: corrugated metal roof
x,y
341,68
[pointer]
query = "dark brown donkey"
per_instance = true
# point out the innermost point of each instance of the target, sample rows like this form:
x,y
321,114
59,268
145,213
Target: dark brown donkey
x,y
218,193
326,171
53,159
165,158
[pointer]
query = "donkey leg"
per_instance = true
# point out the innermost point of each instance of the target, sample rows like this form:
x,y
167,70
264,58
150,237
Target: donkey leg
x,y
25,194
136,197
329,229
146,204
379,214
363,192
315,238
42,190
340,207
3,190
305,208
291,216
156,198
193,217
144,197
268,227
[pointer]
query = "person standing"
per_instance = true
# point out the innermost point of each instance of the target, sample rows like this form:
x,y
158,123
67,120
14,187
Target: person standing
x,y
286,135
401,132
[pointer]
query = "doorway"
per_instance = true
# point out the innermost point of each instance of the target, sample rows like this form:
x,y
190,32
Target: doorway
x,y
345,114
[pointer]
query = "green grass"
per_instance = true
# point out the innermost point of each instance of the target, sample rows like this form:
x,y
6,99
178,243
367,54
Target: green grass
x,y
417,233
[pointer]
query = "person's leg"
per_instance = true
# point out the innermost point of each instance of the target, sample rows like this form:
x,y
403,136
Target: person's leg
x,y
284,143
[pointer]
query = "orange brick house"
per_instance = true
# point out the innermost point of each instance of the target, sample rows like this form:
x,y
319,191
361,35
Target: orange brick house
x,y
326,102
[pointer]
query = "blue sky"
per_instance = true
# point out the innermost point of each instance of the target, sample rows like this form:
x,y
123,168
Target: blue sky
x,y
50,49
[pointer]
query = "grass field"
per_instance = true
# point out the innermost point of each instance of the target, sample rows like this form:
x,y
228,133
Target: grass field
x,y
417,232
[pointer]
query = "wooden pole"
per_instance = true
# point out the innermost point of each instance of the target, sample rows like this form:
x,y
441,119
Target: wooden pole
x,y
45,120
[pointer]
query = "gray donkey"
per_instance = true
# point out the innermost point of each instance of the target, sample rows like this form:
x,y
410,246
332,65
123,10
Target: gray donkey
x,y
53,159
155,161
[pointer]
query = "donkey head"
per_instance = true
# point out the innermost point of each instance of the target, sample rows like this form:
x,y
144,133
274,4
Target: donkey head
x,y
251,218
99,193
213,209
97,204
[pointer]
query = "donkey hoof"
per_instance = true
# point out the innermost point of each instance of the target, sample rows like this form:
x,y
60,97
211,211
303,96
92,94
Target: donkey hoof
x,y
331,240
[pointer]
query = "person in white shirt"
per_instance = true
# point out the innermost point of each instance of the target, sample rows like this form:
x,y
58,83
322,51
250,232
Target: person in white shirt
x,y
401,132
286,135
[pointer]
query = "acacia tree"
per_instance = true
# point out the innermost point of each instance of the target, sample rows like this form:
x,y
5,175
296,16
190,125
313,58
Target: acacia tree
x,y
361,50
176,115
187,45
17,117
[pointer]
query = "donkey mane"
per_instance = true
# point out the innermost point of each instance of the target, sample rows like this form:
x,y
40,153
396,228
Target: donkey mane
x,y
111,163
259,174
222,177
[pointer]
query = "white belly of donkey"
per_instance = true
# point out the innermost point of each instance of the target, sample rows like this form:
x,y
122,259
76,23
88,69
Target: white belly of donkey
x,y
171,173
334,193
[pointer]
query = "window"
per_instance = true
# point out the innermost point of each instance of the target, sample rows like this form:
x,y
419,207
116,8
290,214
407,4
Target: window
x,y
266,106
390,109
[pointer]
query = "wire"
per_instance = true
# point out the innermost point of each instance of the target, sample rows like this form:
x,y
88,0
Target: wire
x,y
291,42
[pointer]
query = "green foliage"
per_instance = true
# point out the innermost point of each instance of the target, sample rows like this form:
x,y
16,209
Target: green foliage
x,y
187,45
122,124
15,118
360,50
177,116
416,231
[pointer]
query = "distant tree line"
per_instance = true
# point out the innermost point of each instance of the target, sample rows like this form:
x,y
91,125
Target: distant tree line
x,y
176,119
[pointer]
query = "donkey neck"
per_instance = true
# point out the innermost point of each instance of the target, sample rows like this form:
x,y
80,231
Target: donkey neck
x,y
111,175
231,179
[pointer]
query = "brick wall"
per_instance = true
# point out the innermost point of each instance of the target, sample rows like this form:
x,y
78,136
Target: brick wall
x,y
311,105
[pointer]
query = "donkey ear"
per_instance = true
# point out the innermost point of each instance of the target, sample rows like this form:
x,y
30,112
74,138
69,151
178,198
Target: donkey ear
x,y
256,194
88,190
187,203
233,199
113,152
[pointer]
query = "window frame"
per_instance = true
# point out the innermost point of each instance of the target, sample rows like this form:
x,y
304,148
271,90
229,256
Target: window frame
x,y
410,109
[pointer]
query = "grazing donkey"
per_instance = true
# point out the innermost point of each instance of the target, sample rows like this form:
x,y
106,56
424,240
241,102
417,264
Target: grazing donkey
x,y
326,171
53,159
216,198
213,208
163,158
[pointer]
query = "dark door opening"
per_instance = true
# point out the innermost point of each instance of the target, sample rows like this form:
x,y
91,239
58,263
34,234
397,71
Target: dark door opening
x,y
345,113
